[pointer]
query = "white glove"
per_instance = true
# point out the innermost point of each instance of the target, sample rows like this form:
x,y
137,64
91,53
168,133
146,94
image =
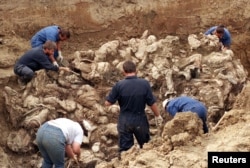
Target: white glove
x,y
158,120
55,63
60,57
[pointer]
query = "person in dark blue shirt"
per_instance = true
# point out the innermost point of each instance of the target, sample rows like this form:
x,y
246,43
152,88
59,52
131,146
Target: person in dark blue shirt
x,y
52,33
222,33
35,59
133,94
185,104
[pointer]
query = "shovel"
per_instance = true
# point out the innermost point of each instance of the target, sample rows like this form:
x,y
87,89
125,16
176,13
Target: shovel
x,y
218,123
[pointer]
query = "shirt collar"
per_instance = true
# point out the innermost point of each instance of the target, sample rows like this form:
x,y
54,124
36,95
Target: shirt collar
x,y
131,77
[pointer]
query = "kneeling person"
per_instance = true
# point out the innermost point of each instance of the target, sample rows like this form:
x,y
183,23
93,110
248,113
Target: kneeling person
x,y
34,60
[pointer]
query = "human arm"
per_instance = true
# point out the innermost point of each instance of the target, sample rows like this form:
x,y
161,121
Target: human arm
x,y
107,103
73,150
151,101
210,30
74,143
60,57
226,41
46,64
58,47
158,118
112,97
57,53
52,59
52,34
155,109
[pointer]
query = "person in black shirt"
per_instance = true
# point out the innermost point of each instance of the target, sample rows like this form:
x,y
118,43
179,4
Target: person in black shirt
x,y
132,94
35,59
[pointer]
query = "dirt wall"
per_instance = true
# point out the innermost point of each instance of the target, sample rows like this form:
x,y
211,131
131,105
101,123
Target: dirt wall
x,y
93,22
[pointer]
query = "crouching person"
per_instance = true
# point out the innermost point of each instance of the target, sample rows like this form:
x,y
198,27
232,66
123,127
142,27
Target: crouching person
x,y
185,104
34,60
55,137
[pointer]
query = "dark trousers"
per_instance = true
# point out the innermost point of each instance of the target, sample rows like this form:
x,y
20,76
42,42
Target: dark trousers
x,y
130,126
24,72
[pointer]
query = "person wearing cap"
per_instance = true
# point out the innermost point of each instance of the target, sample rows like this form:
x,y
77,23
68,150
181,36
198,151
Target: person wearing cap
x,y
133,94
185,104
57,137
52,33
222,33
34,60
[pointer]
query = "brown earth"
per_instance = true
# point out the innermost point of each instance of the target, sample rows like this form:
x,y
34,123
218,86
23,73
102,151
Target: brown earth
x,y
92,23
